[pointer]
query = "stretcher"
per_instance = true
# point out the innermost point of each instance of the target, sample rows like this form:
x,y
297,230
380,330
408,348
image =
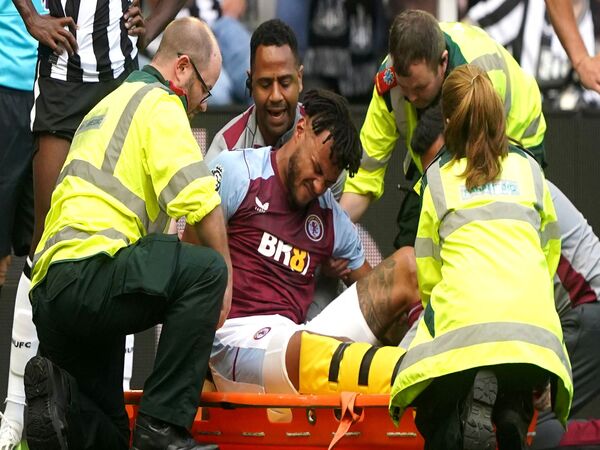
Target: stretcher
x,y
349,421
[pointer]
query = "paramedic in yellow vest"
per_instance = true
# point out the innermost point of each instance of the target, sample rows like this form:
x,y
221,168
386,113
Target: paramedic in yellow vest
x,y
487,248
422,52
103,268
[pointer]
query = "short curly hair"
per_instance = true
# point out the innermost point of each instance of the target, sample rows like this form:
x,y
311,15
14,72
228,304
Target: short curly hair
x,y
329,111
273,32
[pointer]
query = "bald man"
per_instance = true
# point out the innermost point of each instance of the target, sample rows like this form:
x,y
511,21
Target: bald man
x,y
103,269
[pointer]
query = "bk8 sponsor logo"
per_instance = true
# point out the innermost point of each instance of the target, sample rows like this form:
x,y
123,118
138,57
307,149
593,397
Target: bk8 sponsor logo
x,y
296,259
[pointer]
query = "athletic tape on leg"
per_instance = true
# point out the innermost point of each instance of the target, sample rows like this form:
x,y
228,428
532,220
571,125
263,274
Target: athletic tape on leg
x,y
328,365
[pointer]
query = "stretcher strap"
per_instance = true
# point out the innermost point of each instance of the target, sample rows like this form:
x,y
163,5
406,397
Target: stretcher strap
x,y
349,416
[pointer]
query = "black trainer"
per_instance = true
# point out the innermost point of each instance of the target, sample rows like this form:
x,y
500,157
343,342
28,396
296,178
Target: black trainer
x,y
48,394
476,415
154,434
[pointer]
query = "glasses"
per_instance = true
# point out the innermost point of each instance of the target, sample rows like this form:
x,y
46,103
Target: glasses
x,y
204,86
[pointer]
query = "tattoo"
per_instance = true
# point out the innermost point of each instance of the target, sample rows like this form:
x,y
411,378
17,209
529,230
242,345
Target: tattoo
x,y
375,297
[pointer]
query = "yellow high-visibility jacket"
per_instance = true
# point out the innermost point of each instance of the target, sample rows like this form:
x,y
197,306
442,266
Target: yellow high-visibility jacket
x,y
391,117
485,263
132,165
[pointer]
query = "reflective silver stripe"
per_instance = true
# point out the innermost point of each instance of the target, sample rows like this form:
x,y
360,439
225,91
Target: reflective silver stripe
x,y
494,61
180,180
492,211
399,104
538,182
436,187
551,231
406,163
109,184
411,333
532,127
370,164
160,224
113,150
68,233
486,333
425,247
562,300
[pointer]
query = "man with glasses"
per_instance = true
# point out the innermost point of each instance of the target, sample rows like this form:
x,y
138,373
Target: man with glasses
x,y
103,268
202,82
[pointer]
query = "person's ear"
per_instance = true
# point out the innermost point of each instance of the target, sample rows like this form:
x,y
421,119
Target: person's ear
x,y
249,82
181,64
300,75
301,126
444,60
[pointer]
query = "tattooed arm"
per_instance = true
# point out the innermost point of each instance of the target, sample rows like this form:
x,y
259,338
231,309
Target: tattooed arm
x,y
386,293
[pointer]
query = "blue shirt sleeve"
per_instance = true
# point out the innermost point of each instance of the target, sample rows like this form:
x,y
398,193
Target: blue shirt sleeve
x,y
347,243
231,172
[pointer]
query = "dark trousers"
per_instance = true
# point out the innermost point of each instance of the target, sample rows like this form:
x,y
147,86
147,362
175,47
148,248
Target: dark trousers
x,y
439,406
84,309
16,176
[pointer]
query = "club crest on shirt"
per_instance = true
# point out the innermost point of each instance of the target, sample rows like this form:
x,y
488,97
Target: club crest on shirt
x,y
314,228
261,333
218,174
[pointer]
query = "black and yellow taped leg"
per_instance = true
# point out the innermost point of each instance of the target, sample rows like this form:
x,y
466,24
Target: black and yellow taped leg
x,y
328,365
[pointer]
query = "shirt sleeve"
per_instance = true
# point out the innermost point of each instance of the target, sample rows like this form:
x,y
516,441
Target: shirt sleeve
x,y
378,137
347,243
181,180
232,176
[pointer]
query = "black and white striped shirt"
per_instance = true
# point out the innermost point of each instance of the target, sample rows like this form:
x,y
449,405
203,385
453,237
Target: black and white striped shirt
x,y
523,27
105,49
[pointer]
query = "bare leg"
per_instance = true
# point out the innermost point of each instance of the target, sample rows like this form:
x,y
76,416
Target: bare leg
x,y
386,293
47,164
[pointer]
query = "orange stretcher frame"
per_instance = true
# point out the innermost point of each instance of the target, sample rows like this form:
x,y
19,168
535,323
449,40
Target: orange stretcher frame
x,y
241,421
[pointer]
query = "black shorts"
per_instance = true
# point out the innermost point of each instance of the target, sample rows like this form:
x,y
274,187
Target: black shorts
x,y
16,185
61,105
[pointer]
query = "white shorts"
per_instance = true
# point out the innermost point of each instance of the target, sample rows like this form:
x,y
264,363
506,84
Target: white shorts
x,y
248,353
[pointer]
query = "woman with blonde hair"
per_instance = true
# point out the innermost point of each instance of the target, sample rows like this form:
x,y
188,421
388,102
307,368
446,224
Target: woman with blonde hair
x,y
487,248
